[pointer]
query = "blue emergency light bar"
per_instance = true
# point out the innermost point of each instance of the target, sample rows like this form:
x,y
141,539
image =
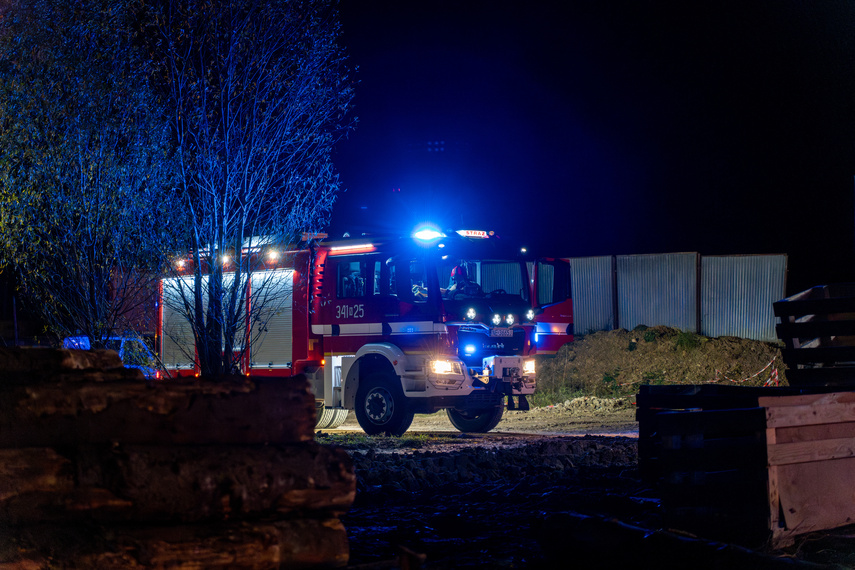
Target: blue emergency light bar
x,y
427,234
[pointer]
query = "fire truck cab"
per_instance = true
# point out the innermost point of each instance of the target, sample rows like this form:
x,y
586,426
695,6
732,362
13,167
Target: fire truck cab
x,y
390,327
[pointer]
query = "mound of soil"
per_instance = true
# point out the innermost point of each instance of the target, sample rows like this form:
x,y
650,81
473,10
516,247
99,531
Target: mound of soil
x,y
616,362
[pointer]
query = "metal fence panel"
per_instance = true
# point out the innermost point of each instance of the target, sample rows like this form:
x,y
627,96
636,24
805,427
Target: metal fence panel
x,y
737,293
658,289
592,288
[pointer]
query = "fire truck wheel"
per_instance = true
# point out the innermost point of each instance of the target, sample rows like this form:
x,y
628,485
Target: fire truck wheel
x,y
330,418
476,423
381,406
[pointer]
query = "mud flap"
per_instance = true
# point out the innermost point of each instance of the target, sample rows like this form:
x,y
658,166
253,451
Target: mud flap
x,y
522,406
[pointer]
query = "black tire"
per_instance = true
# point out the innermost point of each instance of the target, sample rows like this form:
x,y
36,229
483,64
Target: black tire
x,y
381,406
476,423
330,418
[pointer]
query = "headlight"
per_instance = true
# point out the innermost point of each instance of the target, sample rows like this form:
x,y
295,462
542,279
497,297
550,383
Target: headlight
x,y
445,367
529,314
497,319
509,319
528,367
470,313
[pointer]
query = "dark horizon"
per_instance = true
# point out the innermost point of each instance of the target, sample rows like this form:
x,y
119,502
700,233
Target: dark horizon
x,y
594,129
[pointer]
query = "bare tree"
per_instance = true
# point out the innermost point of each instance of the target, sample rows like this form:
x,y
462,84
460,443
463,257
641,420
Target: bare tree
x,y
260,94
85,171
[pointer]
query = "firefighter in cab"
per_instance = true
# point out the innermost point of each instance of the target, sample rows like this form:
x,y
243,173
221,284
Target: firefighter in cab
x,y
459,283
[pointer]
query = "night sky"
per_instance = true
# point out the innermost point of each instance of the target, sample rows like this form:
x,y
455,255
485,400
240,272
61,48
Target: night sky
x,y
596,128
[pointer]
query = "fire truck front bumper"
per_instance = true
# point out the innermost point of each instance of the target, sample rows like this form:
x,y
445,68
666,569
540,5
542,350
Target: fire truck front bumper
x,y
512,375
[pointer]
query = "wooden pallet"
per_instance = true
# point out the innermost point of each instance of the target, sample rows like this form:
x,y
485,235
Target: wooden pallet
x,y
818,331
753,466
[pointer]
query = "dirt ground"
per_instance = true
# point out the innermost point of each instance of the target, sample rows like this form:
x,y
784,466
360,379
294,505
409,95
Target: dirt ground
x,y
552,487
454,500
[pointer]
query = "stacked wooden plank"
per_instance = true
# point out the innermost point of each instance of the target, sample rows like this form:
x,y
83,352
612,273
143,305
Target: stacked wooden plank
x,y
101,469
818,330
753,466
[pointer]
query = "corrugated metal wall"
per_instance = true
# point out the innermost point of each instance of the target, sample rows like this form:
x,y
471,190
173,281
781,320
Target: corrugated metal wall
x,y
592,286
658,289
737,293
713,295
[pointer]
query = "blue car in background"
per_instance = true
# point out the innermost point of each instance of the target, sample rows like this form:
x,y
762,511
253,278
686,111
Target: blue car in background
x,y
133,352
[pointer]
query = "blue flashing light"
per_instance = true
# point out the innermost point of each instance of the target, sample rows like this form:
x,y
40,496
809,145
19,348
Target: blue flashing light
x,y
469,349
428,234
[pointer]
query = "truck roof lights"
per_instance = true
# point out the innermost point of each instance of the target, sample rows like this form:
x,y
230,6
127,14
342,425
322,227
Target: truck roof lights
x,y
428,234
356,248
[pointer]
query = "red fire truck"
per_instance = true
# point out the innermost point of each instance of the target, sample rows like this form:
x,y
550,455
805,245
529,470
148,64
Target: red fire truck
x,y
386,327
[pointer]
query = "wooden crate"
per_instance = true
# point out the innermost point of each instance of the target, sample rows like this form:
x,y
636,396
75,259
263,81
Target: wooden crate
x,y
753,466
810,448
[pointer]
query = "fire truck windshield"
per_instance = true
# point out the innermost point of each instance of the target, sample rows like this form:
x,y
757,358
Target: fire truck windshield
x,y
472,278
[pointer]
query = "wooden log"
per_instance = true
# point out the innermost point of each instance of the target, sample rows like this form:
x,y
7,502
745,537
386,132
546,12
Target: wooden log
x,y
87,456
307,543
228,411
38,364
34,470
175,483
